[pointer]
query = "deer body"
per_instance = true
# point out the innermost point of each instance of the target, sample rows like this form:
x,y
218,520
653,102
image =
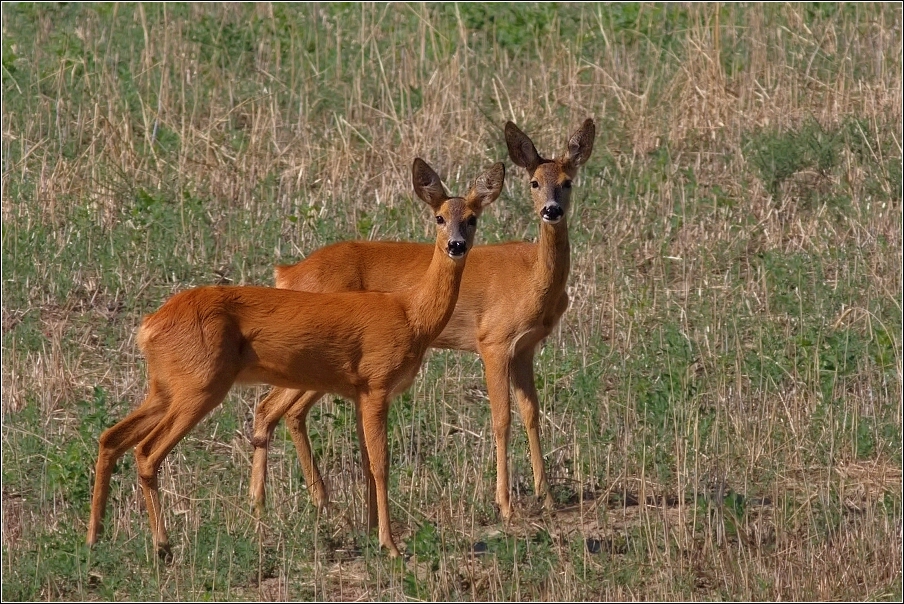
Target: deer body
x,y
512,296
533,306
259,335
366,346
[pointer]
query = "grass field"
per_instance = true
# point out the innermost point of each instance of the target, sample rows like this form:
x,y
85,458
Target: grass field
x,y
721,403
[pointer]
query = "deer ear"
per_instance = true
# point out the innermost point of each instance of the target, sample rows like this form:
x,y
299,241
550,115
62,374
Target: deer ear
x,y
427,184
521,149
487,187
580,145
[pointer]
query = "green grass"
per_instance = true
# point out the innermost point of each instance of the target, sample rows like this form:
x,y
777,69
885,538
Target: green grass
x,y
720,405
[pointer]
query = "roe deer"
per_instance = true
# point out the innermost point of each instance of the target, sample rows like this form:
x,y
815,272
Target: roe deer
x,y
512,296
365,346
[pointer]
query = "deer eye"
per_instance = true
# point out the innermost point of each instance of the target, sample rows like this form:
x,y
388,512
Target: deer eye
x,y
440,220
472,221
534,184
566,184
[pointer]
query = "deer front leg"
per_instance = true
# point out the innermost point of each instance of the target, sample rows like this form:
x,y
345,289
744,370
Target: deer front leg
x,y
496,367
529,405
296,420
373,411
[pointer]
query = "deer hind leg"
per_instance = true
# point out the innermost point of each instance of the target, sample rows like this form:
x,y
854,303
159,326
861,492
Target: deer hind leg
x,y
372,413
296,419
188,407
114,442
529,405
496,365
266,416
372,520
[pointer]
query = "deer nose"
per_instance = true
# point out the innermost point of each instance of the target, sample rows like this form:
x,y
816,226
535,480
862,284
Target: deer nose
x,y
552,212
457,248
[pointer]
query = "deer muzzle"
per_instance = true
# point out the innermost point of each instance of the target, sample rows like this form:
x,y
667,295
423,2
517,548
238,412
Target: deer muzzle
x,y
552,212
457,248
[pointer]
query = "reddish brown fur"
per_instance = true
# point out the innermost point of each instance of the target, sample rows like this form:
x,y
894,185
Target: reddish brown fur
x,y
512,296
366,346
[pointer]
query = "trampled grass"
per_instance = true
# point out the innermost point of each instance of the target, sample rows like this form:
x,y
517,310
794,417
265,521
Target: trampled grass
x,y
721,404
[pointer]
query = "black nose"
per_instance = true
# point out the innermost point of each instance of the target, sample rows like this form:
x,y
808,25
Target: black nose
x,y
457,248
552,212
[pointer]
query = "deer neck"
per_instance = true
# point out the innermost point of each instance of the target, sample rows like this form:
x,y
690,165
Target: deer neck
x,y
433,299
553,257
